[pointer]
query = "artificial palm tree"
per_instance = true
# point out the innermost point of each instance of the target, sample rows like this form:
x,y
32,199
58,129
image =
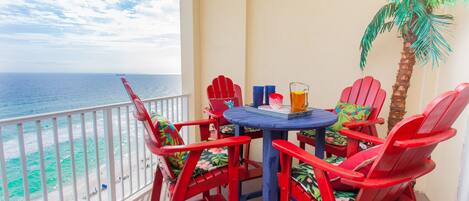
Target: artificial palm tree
x,y
422,32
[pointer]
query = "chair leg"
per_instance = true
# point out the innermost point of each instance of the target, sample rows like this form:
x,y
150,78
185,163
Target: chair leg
x,y
246,155
233,173
410,193
157,185
206,195
303,145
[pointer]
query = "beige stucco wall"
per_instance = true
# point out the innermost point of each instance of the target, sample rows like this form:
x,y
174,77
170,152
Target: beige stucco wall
x,y
258,42
442,183
222,41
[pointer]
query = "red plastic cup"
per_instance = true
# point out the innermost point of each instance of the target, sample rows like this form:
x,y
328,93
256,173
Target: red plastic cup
x,y
275,100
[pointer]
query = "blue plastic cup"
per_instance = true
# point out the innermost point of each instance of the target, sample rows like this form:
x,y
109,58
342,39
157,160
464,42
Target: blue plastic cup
x,y
268,90
257,95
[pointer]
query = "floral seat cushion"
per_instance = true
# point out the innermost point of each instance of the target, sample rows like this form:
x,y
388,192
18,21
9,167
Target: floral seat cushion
x,y
335,138
346,112
210,159
230,129
304,175
332,137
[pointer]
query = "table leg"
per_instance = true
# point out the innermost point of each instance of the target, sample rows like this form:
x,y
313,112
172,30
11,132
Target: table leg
x,y
270,162
320,142
238,131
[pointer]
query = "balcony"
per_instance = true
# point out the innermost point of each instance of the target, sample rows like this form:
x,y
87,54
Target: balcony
x,y
255,43
107,142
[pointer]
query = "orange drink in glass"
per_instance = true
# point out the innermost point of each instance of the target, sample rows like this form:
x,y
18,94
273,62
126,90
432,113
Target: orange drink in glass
x,y
299,96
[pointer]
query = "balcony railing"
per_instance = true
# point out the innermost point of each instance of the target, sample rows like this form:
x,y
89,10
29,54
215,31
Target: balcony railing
x,y
70,155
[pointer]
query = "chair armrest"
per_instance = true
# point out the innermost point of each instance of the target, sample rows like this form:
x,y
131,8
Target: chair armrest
x,y
361,136
204,126
212,113
377,183
437,138
195,123
407,176
296,152
225,142
355,124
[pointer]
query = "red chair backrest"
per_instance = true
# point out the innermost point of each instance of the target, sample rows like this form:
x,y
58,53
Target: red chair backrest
x,y
366,91
223,87
152,137
430,128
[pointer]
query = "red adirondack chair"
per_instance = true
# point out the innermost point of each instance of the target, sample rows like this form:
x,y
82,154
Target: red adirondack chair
x,y
366,91
190,180
223,88
403,157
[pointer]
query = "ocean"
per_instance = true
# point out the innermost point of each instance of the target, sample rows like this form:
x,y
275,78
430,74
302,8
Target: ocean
x,y
35,93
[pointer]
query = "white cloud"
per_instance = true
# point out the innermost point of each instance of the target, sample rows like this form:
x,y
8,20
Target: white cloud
x,y
145,33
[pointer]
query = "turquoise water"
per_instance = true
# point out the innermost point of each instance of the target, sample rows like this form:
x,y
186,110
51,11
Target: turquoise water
x,y
26,94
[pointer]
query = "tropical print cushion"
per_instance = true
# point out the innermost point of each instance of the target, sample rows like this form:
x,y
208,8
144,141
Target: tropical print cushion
x,y
230,129
335,138
210,159
347,112
304,175
332,137
170,136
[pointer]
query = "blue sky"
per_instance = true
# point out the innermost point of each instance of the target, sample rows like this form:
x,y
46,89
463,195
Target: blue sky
x,y
90,36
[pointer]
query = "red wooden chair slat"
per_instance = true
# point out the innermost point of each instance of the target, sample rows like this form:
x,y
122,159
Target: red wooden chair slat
x,y
229,88
210,92
366,91
355,91
238,93
223,86
345,94
456,108
401,159
373,92
216,89
377,105
185,185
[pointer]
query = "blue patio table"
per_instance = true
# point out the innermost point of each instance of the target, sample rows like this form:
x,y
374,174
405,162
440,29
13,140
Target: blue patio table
x,y
277,128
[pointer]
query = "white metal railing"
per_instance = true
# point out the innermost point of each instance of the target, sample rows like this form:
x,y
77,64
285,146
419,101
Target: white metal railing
x,y
70,155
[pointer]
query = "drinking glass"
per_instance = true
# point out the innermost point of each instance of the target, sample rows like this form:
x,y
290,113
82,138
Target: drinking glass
x,y
257,95
299,96
269,89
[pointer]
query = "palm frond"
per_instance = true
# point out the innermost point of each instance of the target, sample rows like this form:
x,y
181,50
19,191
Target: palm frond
x,y
404,15
414,18
437,3
430,44
376,26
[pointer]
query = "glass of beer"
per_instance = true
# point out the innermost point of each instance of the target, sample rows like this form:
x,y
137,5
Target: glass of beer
x,y
299,96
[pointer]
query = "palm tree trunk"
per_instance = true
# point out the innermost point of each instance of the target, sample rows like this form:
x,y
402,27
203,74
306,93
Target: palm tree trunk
x,y
402,84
